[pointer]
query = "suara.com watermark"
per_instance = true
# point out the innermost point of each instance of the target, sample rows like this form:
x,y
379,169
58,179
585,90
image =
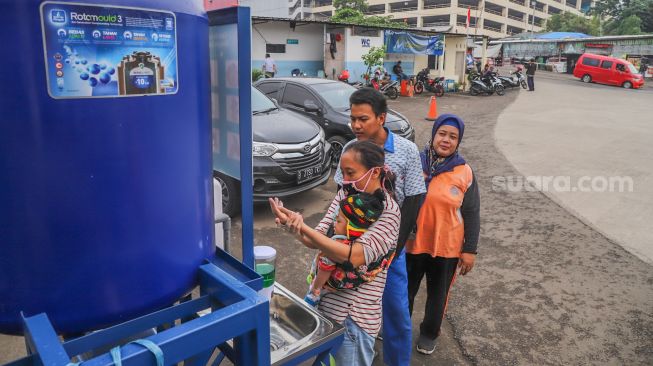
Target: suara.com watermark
x,y
561,183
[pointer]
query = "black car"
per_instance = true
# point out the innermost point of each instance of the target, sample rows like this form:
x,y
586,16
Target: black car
x,y
290,155
327,103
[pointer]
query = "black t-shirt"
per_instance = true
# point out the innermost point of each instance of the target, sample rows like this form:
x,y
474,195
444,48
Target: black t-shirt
x,y
397,69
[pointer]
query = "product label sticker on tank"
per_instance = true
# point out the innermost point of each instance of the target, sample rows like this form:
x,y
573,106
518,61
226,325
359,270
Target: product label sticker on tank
x,y
94,51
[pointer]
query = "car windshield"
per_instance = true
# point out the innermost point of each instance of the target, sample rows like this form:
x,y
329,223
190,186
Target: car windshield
x,y
336,94
260,102
632,69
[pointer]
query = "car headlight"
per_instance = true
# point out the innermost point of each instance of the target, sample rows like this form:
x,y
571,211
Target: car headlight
x,y
262,149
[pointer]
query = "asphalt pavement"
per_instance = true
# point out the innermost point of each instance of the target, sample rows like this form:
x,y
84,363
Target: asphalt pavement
x,y
593,143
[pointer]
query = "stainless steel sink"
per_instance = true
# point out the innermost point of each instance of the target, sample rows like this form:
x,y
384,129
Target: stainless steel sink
x,y
295,326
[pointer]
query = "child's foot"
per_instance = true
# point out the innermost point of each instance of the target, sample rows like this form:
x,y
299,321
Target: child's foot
x,y
312,299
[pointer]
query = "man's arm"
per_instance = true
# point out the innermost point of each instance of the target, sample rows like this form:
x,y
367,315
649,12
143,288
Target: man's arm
x,y
409,211
414,191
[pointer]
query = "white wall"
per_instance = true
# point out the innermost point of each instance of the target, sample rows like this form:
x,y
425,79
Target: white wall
x,y
307,55
267,8
337,62
452,45
355,50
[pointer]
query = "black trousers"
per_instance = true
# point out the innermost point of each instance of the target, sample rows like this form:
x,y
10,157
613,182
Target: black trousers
x,y
531,83
440,273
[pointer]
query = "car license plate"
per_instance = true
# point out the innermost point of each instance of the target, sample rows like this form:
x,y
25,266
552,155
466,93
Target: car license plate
x,y
307,174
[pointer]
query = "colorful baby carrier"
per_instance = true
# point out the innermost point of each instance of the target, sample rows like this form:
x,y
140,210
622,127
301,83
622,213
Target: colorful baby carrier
x,y
345,275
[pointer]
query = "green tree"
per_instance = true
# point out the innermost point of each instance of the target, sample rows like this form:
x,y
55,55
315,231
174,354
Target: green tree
x,y
349,11
630,25
347,15
360,5
615,12
568,22
373,57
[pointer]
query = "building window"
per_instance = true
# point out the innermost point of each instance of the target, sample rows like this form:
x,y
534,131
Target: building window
x,y
275,48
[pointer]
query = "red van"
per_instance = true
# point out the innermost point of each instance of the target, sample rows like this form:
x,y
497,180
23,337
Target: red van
x,y
607,70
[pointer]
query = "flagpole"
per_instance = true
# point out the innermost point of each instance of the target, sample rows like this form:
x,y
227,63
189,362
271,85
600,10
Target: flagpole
x,y
469,10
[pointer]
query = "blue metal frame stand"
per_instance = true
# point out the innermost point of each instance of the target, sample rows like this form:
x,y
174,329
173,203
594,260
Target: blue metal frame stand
x,y
237,312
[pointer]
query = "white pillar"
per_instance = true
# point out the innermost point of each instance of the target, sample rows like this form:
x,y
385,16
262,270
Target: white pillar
x,y
484,51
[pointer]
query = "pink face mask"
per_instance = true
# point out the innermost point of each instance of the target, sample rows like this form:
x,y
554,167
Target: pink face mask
x,y
353,182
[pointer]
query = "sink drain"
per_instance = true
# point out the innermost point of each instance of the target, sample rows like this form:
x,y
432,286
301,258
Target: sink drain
x,y
276,340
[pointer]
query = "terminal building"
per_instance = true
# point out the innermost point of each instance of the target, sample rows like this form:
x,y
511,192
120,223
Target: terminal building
x,y
495,18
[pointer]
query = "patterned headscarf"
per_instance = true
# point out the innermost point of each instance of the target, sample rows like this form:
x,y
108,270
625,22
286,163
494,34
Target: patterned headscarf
x,y
361,210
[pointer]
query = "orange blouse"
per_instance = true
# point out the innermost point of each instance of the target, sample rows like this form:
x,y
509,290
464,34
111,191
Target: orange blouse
x,y
440,229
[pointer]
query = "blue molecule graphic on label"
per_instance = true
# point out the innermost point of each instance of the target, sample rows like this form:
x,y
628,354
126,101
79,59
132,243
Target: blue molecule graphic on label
x,y
105,78
84,62
84,76
111,71
68,61
103,66
92,81
76,62
94,69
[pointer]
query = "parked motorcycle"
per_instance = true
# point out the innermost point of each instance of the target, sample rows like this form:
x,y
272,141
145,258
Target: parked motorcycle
x,y
488,85
423,81
390,89
522,79
384,84
515,80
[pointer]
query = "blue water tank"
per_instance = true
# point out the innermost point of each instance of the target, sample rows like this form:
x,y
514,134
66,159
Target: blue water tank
x,y
105,170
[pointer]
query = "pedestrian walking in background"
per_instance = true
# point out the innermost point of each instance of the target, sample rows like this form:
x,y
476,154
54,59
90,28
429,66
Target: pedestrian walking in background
x,y
643,66
448,226
531,66
269,66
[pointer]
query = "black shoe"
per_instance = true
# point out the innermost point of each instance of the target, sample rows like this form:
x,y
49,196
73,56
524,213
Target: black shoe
x,y
425,345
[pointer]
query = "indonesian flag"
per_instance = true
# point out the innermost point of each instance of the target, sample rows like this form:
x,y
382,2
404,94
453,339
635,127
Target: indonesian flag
x,y
469,15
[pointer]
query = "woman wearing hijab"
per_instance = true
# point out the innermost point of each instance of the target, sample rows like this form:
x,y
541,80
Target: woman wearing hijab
x,y
448,226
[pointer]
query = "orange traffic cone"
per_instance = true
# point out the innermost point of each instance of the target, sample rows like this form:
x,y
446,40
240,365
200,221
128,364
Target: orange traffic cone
x,y
433,110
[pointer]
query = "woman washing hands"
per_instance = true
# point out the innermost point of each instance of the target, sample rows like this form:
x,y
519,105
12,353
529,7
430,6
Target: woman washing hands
x,y
359,309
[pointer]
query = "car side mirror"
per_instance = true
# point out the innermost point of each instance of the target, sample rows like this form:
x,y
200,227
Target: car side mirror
x,y
311,107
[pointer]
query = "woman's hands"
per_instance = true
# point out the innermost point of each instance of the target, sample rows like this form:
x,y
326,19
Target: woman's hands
x,y
280,212
466,262
294,224
292,221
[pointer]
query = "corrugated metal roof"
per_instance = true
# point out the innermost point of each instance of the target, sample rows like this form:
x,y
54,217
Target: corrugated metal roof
x,y
561,35
435,30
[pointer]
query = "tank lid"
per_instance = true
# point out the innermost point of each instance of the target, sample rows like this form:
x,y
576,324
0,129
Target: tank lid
x,y
264,252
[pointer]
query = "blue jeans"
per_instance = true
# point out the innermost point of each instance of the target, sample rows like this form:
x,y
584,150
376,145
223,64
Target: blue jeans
x,y
397,327
358,347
